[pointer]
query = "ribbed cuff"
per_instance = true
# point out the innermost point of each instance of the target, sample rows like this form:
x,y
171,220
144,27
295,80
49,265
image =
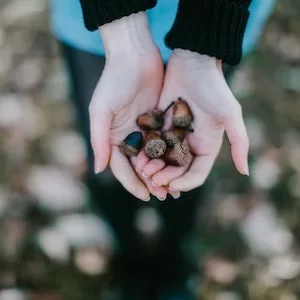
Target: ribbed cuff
x,y
212,27
100,12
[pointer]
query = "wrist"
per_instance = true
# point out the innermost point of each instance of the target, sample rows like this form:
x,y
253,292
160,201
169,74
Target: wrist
x,y
198,60
128,35
183,53
196,57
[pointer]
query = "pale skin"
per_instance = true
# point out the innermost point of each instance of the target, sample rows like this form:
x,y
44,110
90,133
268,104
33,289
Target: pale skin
x,y
133,82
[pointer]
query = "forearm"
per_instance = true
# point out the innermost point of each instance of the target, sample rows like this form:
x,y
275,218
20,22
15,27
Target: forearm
x,y
212,27
123,25
127,36
99,12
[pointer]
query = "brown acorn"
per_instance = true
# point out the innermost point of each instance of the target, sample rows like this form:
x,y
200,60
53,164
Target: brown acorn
x,y
152,120
179,155
173,136
155,146
182,115
132,144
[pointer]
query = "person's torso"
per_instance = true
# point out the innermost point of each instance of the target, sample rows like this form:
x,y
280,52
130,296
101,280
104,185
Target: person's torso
x,y
67,24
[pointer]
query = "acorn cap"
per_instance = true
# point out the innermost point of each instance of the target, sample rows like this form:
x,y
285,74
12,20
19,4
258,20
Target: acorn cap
x,y
153,120
155,146
182,115
180,155
173,136
132,144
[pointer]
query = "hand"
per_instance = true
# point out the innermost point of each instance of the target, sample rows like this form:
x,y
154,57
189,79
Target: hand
x,y
129,86
199,80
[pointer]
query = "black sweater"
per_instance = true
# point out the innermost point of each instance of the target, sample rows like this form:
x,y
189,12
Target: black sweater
x,y
212,27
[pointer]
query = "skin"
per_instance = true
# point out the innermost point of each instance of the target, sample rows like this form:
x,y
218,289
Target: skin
x,y
133,82
129,86
216,111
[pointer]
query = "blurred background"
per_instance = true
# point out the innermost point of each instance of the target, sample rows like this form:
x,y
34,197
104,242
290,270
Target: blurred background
x,y
53,247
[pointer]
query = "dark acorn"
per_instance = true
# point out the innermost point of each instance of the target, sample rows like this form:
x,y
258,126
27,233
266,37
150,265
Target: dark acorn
x,y
173,136
132,144
155,146
180,155
153,120
182,115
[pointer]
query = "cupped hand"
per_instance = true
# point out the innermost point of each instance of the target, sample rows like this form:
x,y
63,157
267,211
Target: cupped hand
x,y
129,86
199,80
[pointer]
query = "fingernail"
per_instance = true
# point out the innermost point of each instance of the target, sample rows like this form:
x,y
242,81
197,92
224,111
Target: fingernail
x,y
246,170
97,169
154,184
172,190
148,199
144,175
177,196
162,199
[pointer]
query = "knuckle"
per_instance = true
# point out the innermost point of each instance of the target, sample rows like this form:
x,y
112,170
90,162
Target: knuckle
x,y
236,109
246,141
230,110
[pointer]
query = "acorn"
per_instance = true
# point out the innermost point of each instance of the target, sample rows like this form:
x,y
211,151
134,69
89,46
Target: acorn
x,y
182,114
132,144
173,136
179,155
153,120
155,146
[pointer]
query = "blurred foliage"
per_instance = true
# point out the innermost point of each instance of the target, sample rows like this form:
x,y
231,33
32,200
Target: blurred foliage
x,y
248,235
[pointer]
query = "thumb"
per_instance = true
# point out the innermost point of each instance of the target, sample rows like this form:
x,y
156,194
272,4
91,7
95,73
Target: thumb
x,y
100,122
238,138
165,101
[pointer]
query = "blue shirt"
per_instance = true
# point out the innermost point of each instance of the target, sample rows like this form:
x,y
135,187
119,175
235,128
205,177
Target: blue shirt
x,y
67,25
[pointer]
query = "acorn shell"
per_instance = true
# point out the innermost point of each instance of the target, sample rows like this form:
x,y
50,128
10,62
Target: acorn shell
x,y
173,136
182,115
132,144
153,120
180,155
155,146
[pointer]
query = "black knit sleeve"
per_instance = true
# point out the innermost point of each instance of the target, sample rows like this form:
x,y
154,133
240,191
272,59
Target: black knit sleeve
x,y
100,12
212,27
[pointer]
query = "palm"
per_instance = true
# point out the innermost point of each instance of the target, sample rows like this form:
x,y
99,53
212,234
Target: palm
x,y
125,90
124,119
206,138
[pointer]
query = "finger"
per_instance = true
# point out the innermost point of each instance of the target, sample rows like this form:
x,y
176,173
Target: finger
x,y
100,122
152,167
124,172
196,175
165,100
238,138
141,160
175,195
165,176
159,192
